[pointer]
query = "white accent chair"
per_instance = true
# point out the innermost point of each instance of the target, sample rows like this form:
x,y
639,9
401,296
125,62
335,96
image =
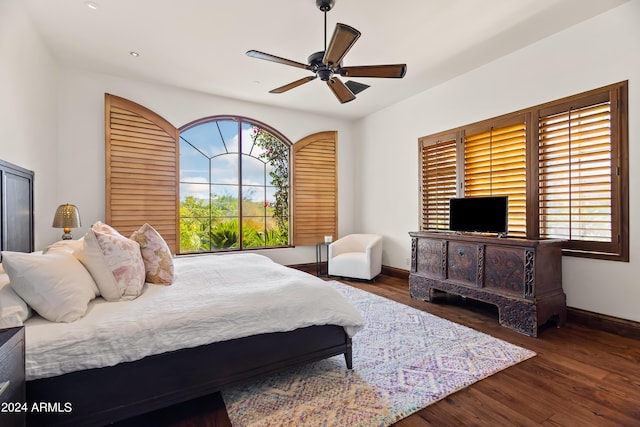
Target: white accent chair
x,y
357,256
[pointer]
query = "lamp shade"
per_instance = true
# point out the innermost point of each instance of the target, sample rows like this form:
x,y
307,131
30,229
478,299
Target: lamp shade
x,y
67,217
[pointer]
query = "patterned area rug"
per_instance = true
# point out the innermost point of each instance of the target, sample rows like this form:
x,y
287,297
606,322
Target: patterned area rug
x,y
403,360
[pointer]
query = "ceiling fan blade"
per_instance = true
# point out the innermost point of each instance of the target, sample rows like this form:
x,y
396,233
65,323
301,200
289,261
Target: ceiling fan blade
x,y
340,90
392,71
273,58
342,40
292,85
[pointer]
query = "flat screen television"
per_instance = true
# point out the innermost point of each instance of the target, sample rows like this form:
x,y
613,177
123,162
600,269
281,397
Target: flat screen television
x,y
478,214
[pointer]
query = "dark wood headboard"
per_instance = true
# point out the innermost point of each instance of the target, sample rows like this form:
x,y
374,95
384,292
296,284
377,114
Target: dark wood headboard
x,y
16,208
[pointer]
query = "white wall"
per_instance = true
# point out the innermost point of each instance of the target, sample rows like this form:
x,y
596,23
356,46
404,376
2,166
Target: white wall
x,y
595,53
81,123
28,120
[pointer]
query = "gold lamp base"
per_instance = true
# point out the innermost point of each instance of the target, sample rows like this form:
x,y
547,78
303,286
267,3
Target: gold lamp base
x,y
67,234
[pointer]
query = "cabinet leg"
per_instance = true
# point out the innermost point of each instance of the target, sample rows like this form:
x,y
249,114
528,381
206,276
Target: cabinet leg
x,y
420,291
519,317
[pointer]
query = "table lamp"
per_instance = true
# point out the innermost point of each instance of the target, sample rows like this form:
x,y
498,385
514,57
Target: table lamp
x,y
67,217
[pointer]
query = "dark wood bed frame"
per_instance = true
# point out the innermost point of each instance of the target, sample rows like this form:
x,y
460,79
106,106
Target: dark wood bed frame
x,y
105,395
101,396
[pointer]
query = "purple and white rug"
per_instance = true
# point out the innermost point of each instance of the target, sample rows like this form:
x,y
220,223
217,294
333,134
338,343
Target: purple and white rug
x,y
403,360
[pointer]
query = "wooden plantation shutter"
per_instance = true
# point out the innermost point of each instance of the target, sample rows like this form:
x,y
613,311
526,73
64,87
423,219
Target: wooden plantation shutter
x,y
315,188
495,165
437,179
141,170
575,168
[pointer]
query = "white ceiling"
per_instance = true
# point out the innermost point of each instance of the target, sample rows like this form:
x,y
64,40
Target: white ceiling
x,y
200,44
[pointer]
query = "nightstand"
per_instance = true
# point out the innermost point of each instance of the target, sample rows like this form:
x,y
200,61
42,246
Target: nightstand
x,y
12,382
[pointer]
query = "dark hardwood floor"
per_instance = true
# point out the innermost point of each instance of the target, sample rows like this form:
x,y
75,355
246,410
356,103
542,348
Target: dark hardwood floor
x,y
580,377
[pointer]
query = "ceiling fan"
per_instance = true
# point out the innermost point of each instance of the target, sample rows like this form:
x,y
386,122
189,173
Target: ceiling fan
x,y
327,65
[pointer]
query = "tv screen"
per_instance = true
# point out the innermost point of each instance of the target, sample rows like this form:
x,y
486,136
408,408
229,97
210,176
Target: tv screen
x,y
479,214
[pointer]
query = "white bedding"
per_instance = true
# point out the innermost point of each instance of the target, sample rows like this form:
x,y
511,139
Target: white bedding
x,y
214,298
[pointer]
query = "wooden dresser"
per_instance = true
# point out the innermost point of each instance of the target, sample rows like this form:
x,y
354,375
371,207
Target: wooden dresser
x,y
12,383
522,277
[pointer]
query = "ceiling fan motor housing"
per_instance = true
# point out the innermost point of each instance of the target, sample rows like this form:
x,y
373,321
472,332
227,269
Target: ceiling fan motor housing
x,y
324,72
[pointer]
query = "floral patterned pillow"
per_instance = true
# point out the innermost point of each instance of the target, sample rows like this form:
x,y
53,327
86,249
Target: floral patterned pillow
x,y
115,263
104,228
158,261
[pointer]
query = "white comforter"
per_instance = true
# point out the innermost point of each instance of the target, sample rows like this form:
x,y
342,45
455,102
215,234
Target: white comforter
x,y
214,298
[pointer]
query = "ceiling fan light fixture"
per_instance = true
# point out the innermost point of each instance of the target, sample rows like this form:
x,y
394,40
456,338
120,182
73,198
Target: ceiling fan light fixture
x,y
324,74
355,87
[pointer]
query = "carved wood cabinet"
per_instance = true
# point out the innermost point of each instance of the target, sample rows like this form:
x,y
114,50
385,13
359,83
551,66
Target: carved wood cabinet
x,y
522,277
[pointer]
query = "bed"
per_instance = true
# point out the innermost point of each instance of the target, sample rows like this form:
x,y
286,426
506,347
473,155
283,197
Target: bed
x,y
87,375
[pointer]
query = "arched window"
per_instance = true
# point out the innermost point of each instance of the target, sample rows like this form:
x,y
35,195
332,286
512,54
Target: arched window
x,y
234,185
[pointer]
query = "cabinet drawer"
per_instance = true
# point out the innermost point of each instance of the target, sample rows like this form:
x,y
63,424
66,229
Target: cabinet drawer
x,y
431,258
505,270
464,263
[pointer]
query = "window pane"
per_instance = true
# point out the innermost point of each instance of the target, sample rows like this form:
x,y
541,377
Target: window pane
x,y
194,166
224,200
271,199
253,171
205,138
228,131
195,197
253,201
224,233
224,169
253,232
250,135
194,234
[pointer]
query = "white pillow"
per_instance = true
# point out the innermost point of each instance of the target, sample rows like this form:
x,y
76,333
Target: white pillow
x,y
64,245
115,263
70,247
55,285
13,310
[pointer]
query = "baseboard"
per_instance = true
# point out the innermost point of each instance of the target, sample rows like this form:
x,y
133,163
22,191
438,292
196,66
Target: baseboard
x,y
395,272
603,322
309,267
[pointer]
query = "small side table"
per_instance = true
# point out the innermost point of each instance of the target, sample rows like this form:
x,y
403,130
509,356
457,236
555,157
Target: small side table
x,y
319,247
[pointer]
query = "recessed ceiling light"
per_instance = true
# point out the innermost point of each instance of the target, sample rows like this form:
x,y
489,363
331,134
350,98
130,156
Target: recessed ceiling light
x,y
134,54
91,5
